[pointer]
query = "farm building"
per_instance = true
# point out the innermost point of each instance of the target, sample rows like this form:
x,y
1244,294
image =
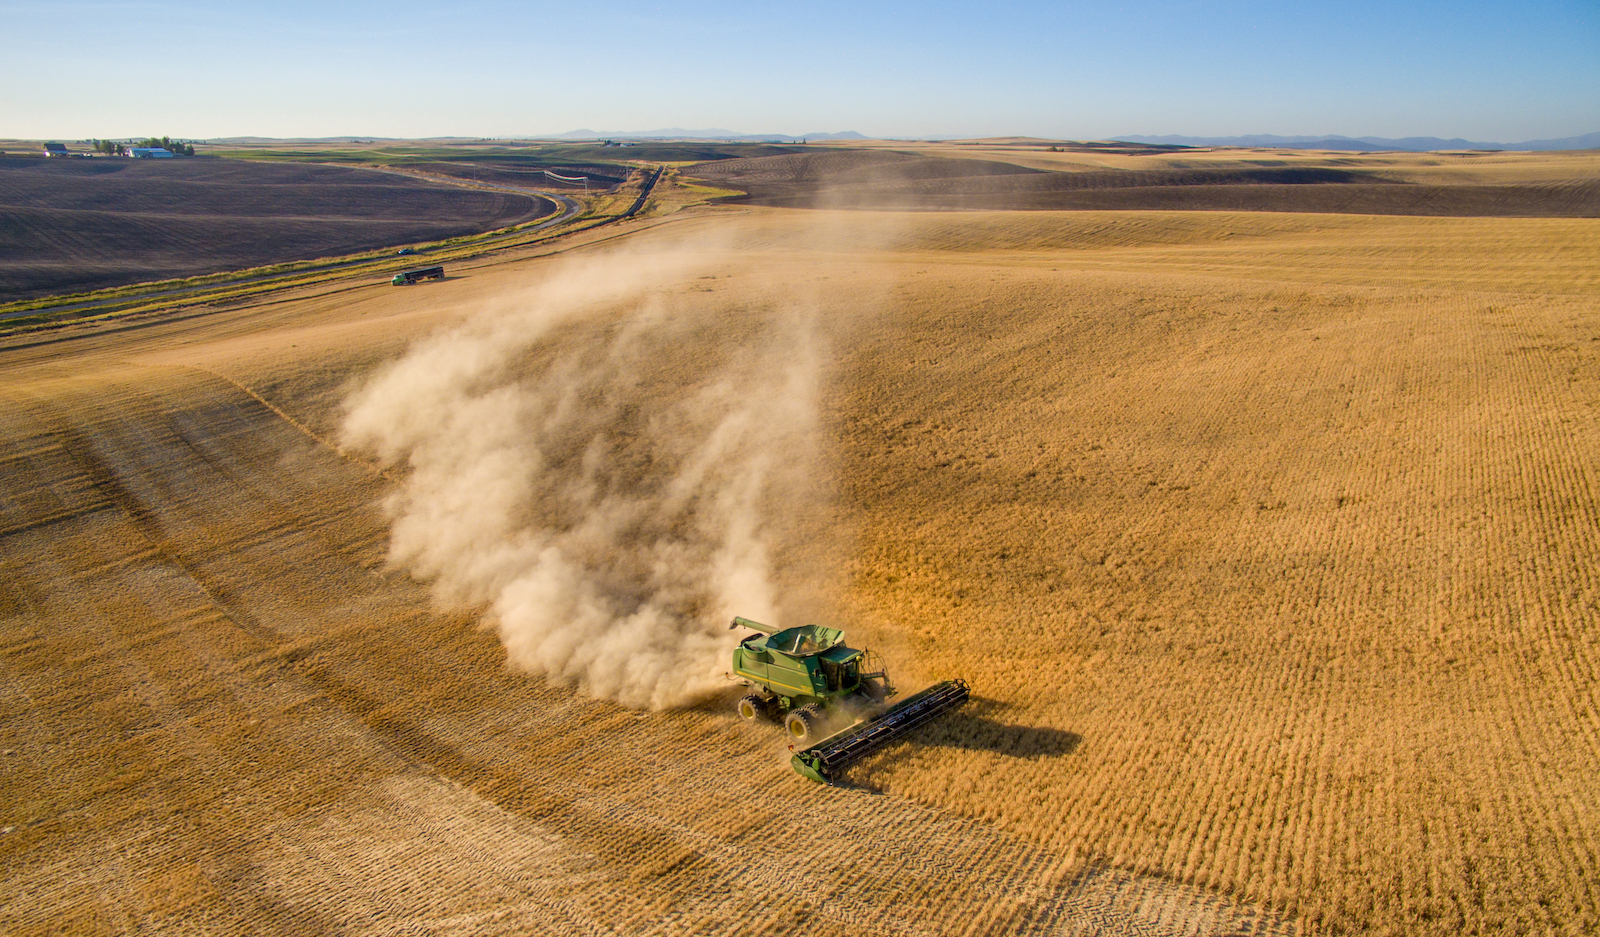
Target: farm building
x,y
150,152
55,149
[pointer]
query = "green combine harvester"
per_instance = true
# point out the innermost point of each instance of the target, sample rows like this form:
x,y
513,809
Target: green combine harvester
x,y
798,674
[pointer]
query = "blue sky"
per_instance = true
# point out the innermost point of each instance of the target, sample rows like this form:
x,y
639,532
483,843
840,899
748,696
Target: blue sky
x,y
1494,71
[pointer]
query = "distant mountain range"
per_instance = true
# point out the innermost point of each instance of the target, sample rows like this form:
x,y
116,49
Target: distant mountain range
x,y
678,133
1411,144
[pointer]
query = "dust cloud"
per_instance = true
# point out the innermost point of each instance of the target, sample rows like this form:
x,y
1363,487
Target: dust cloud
x,y
601,468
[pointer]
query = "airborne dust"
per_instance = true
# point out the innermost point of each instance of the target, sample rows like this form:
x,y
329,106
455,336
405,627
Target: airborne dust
x,y
604,470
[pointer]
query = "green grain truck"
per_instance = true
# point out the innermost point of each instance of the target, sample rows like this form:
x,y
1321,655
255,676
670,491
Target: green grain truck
x,y
415,276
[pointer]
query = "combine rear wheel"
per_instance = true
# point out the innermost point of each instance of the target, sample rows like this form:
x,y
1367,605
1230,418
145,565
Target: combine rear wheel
x,y
753,708
803,722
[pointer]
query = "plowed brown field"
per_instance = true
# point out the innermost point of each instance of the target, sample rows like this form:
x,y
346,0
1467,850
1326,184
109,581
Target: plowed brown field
x,y
885,179
1267,542
83,224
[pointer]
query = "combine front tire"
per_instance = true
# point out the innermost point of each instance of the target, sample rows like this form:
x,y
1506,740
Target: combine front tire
x,y
753,708
802,724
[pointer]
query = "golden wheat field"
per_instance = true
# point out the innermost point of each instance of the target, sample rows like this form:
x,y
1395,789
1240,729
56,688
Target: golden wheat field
x,y
1268,543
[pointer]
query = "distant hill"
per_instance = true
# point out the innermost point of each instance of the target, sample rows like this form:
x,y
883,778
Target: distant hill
x,y
1410,144
256,141
678,133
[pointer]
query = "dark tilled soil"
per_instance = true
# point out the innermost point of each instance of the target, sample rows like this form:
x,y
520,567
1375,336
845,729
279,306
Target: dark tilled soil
x,y
71,225
899,181
807,172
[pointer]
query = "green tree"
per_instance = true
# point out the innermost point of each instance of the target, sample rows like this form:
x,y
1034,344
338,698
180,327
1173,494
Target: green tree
x,y
176,147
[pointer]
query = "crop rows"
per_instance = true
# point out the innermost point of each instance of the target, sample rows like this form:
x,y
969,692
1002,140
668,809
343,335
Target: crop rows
x,y
1307,567
221,714
1267,545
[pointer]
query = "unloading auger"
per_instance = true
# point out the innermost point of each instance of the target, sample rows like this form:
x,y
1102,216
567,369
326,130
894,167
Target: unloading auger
x,y
797,674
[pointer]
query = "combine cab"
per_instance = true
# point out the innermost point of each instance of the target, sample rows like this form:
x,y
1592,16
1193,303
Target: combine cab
x,y
797,674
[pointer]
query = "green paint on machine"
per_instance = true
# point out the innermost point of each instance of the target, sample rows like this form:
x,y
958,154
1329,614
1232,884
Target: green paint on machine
x,y
416,276
798,674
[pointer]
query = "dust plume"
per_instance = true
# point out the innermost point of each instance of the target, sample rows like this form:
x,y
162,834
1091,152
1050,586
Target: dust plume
x,y
601,467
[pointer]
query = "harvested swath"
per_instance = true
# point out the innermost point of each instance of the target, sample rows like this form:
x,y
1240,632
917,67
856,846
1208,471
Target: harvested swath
x,y
208,680
92,223
932,183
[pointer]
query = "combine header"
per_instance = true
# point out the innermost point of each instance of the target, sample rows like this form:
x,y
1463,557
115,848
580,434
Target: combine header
x,y
798,674
825,760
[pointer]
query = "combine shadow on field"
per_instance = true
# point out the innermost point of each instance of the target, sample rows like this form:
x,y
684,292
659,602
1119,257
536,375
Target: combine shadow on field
x,y
971,728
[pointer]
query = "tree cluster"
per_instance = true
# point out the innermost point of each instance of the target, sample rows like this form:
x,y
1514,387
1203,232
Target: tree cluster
x,y
176,147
